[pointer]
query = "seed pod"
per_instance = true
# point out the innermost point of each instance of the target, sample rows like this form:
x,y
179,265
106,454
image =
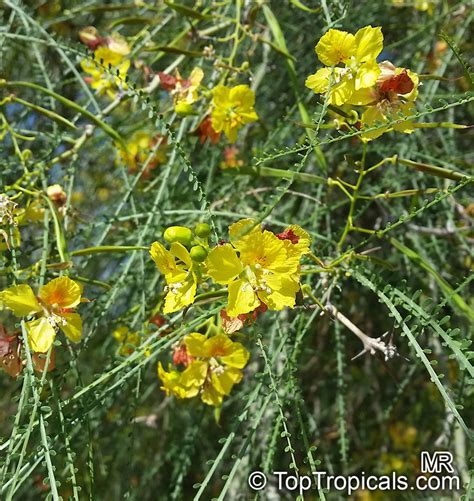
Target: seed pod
x,y
179,234
198,253
202,230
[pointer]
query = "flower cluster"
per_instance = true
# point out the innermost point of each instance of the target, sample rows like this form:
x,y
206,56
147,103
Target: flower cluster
x,y
352,76
257,266
183,91
181,265
129,340
53,309
229,109
212,366
33,213
139,148
111,53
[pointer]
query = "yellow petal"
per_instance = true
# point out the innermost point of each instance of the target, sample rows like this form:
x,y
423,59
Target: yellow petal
x,y
369,42
242,96
163,258
171,382
371,115
181,294
118,45
220,96
211,397
73,327
272,255
193,377
21,300
283,292
179,250
319,81
226,351
230,130
62,292
195,344
223,264
225,380
304,240
121,333
196,76
40,334
416,81
362,97
335,47
247,117
405,126
342,91
238,356
366,76
106,56
245,234
295,249
242,298
91,67
218,119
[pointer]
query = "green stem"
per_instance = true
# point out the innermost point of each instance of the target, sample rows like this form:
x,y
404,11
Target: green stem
x,y
280,173
434,125
47,113
211,295
108,249
434,170
403,193
349,224
310,271
67,102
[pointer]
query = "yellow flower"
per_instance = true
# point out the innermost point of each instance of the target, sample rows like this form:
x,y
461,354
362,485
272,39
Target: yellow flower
x,y
53,309
18,216
185,92
213,372
358,54
390,99
128,340
32,213
421,5
138,149
258,266
100,80
232,109
178,269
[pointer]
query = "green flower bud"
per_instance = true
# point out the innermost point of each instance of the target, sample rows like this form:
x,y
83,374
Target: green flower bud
x,y
184,109
198,253
179,234
202,230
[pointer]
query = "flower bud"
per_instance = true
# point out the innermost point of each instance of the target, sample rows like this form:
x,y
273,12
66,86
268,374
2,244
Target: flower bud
x,y
183,109
202,230
198,253
179,234
57,195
